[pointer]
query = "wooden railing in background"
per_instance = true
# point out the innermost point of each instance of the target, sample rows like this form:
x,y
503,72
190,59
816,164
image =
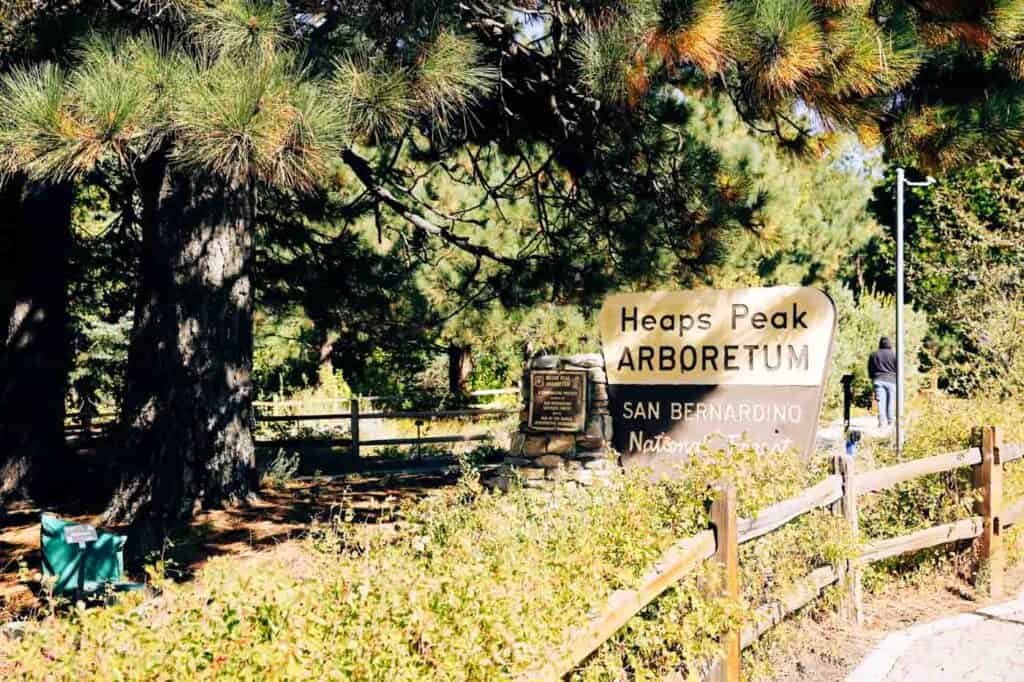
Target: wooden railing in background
x,y
839,491
354,416
100,427
355,442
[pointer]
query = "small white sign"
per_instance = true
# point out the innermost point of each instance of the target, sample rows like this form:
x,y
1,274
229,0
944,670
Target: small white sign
x,y
79,534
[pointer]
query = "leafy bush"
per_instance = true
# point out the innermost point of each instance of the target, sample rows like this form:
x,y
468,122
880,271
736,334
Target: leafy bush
x,y
965,261
668,633
477,585
938,424
985,354
453,595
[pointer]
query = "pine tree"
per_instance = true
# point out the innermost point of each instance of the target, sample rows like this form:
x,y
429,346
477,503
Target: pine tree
x,y
939,80
203,122
570,113
200,153
34,358
812,214
35,217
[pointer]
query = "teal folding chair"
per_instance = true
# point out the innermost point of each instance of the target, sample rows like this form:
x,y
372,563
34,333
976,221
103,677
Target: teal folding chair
x,y
82,560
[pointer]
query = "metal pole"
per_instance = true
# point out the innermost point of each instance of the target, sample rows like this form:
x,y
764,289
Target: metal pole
x,y
900,179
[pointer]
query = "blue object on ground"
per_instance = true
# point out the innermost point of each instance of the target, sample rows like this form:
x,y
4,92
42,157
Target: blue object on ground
x,y
852,439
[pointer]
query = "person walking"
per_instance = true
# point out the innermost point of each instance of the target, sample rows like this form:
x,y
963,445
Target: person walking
x,y
882,372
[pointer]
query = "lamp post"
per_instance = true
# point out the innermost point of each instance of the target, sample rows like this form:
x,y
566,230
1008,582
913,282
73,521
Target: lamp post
x,y
901,182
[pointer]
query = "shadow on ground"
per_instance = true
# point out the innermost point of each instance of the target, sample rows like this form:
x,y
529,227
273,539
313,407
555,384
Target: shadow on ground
x,y
369,497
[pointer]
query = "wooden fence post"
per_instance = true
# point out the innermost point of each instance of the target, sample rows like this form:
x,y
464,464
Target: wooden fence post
x,y
852,602
723,516
837,510
354,417
988,479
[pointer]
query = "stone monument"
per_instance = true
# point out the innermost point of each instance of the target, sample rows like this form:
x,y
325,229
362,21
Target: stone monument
x,y
565,430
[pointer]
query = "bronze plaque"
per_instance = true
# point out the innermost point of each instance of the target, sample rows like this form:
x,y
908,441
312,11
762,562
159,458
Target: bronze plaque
x,y
558,400
688,369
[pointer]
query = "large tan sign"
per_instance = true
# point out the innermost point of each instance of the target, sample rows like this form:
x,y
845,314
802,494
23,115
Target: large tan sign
x,y
741,364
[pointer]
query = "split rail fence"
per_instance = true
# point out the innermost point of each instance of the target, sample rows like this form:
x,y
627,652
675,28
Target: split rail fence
x,y
284,411
839,492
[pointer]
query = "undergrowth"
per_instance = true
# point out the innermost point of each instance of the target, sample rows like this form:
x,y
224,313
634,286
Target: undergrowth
x,y
939,425
473,586
481,586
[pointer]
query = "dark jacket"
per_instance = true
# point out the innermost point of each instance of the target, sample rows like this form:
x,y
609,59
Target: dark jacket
x,y
882,365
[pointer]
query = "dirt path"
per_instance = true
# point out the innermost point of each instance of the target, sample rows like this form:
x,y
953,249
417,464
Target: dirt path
x,y
986,645
827,650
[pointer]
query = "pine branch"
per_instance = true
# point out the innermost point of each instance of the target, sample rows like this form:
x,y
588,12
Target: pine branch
x,y
364,172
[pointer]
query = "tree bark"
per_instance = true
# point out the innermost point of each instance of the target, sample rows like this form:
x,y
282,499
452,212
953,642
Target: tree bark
x,y
325,359
34,363
460,366
10,211
187,415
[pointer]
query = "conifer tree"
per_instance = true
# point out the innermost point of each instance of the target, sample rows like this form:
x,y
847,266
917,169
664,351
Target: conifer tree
x,y
938,79
203,123
570,112
199,153
35,221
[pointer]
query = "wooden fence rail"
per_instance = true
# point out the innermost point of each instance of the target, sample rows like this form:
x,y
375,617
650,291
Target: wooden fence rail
x,y
353,416
774,517
839,490
797,596
370,398
1013,513
422,414
964,529
674,564
891,476
347,442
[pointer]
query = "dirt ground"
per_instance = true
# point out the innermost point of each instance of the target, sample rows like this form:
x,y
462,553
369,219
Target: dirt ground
x,y
280,513
827,650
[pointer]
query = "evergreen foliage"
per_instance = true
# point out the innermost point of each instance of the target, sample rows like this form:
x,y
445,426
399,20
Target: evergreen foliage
x,y
938,79
811,212
965,263
478,166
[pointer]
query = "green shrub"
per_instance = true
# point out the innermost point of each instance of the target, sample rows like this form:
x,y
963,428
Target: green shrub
x,y
474,586
937,425
482,586
862,321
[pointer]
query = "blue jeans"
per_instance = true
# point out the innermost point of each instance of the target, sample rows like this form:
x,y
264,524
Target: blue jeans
x,y
885,394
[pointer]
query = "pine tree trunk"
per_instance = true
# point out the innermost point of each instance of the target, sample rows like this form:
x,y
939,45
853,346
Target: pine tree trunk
x,y
34,366
10,210
325,359
460,366
187,416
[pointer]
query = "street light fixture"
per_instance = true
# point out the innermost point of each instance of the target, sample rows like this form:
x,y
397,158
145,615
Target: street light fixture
x,y
901,182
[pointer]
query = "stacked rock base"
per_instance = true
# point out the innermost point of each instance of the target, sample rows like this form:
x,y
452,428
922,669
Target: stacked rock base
x,y
549,459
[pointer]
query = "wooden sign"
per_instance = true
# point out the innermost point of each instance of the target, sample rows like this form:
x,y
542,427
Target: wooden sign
x,y
733,365
558,400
